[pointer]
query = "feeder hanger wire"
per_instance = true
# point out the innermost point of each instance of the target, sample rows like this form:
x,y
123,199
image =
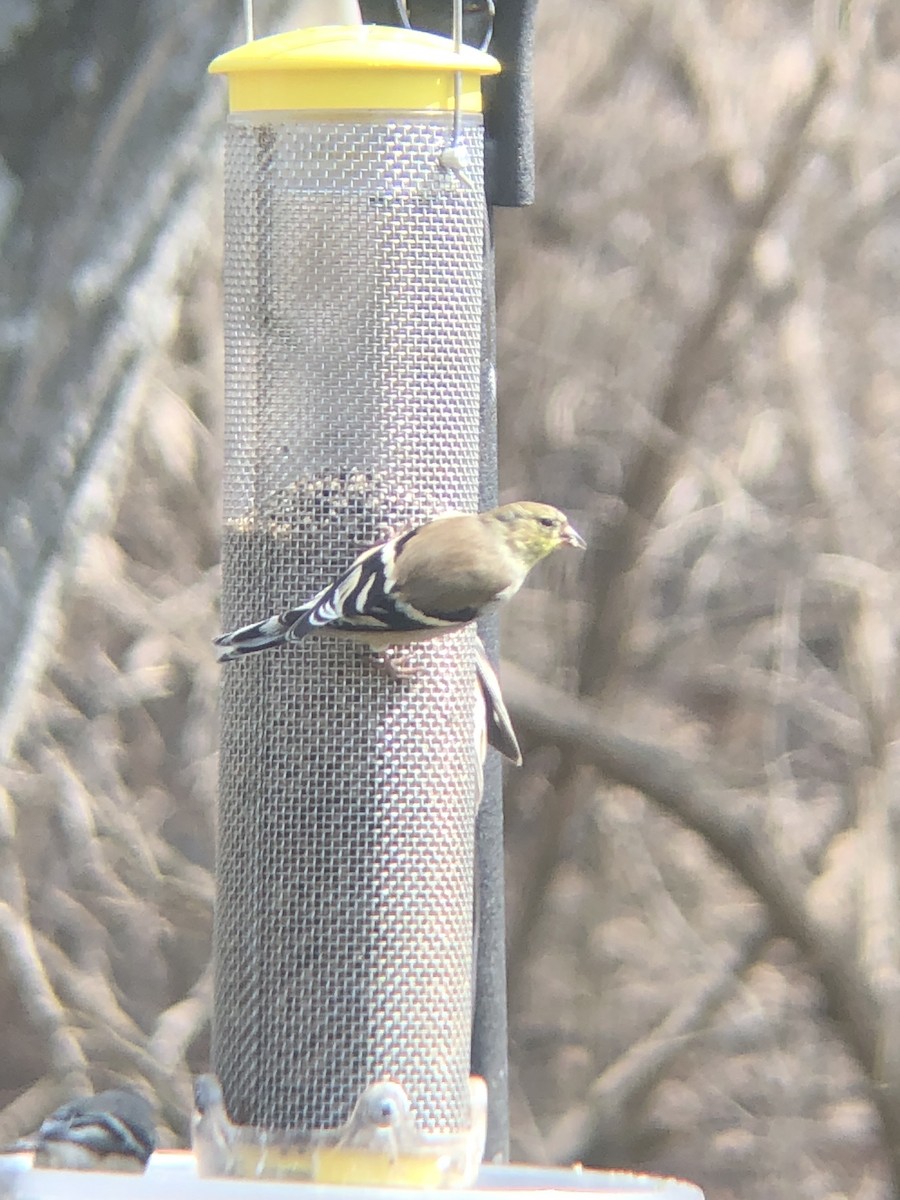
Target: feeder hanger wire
x,y
508,97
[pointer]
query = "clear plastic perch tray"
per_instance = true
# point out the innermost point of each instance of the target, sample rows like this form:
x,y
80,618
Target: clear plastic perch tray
x,y
378,1146
172,1175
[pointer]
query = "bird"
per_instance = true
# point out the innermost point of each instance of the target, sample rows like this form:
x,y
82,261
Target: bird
x,y
422,583
112,1131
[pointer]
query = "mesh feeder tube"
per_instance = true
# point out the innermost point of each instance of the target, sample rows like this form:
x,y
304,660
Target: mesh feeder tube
x,y
353,307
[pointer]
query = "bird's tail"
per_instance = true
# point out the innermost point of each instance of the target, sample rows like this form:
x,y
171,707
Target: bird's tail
x,y
499,729
261,635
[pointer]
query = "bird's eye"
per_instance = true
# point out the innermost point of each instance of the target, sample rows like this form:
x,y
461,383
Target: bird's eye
x,y
548,522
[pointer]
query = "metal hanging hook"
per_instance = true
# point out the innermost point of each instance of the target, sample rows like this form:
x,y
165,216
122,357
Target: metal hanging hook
x,y
402,13
455,157
492,12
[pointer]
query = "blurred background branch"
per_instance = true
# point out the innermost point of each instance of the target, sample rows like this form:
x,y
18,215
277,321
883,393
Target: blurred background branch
x,y
699,362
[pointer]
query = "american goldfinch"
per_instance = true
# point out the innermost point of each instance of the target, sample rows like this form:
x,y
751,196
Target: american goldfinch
x,y
112,1131
422,583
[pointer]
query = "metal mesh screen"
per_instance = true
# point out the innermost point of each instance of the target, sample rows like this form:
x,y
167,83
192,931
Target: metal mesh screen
x,y
353,274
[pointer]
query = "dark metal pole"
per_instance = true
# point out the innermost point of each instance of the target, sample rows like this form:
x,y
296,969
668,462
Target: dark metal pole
x,y
509,107
509,182
490,1057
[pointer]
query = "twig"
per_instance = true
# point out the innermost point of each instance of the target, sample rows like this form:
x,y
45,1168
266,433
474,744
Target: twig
x,y
26,1112
40,1000
177,1027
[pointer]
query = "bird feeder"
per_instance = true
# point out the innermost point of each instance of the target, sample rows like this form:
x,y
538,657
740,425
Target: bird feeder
x,y
354,240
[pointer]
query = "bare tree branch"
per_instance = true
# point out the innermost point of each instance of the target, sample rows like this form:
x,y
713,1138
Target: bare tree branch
x,y
691,793
40,1000
182,1022
613,556
29,1108
607,1117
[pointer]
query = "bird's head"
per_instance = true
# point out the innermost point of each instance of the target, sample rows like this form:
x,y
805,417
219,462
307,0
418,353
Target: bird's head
x,y
533,530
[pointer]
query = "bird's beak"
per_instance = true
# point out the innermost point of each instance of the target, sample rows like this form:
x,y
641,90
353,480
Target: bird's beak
x,y
570,537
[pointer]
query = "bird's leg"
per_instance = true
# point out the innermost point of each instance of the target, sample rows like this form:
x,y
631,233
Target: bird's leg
x,y
394,663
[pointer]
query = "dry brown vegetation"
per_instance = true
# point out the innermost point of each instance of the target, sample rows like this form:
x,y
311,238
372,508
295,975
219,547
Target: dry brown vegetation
x,y
698,361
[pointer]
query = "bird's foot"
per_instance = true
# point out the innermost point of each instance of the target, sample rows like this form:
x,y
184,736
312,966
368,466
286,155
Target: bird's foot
x,y
395,664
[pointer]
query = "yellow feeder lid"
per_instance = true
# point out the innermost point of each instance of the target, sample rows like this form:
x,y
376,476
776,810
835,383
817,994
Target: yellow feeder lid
x,y
362,67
